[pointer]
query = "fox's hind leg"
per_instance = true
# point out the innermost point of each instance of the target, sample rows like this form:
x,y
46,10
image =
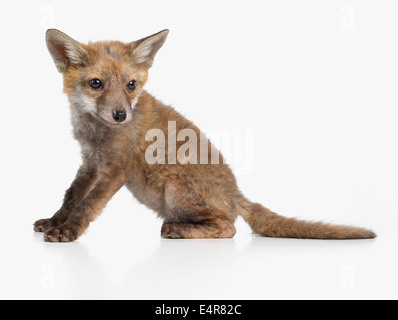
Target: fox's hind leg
x,y
211,228
193,212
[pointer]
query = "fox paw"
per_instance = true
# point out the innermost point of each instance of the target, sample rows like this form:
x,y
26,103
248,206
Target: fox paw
x,y
60,234
44,225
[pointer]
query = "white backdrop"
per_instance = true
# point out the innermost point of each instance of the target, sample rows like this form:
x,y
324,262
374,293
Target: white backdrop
x,y
311,86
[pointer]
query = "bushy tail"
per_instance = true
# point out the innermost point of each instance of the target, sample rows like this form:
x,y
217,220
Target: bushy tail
x,y
269,224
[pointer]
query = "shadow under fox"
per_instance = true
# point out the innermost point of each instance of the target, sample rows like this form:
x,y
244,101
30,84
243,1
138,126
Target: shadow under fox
x,y
111,114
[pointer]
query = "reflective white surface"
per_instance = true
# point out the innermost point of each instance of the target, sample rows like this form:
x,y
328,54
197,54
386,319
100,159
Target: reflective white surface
x,y
143,266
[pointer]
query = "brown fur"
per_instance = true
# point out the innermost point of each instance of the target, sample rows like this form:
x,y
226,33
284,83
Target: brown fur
x,y
195,200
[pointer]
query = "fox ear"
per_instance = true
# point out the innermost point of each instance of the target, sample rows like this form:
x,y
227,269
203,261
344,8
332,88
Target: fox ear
x,y
145,49
64,50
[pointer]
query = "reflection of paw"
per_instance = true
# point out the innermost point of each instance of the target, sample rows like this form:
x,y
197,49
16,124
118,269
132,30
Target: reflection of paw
x,y
44,225
61,234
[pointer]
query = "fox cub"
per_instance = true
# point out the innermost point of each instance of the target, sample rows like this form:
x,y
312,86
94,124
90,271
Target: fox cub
x,y
112,116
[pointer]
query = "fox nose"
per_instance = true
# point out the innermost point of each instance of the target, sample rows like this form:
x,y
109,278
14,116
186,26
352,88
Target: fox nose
x,y
119,115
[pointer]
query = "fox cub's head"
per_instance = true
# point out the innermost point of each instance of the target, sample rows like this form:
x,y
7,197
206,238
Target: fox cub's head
x,y
104,78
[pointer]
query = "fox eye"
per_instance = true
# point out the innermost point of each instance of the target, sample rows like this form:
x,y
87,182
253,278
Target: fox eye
x,y
95,83
131,85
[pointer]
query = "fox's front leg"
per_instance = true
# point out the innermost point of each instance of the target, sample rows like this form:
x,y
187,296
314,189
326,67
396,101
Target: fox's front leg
x,y
107,185
84,181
